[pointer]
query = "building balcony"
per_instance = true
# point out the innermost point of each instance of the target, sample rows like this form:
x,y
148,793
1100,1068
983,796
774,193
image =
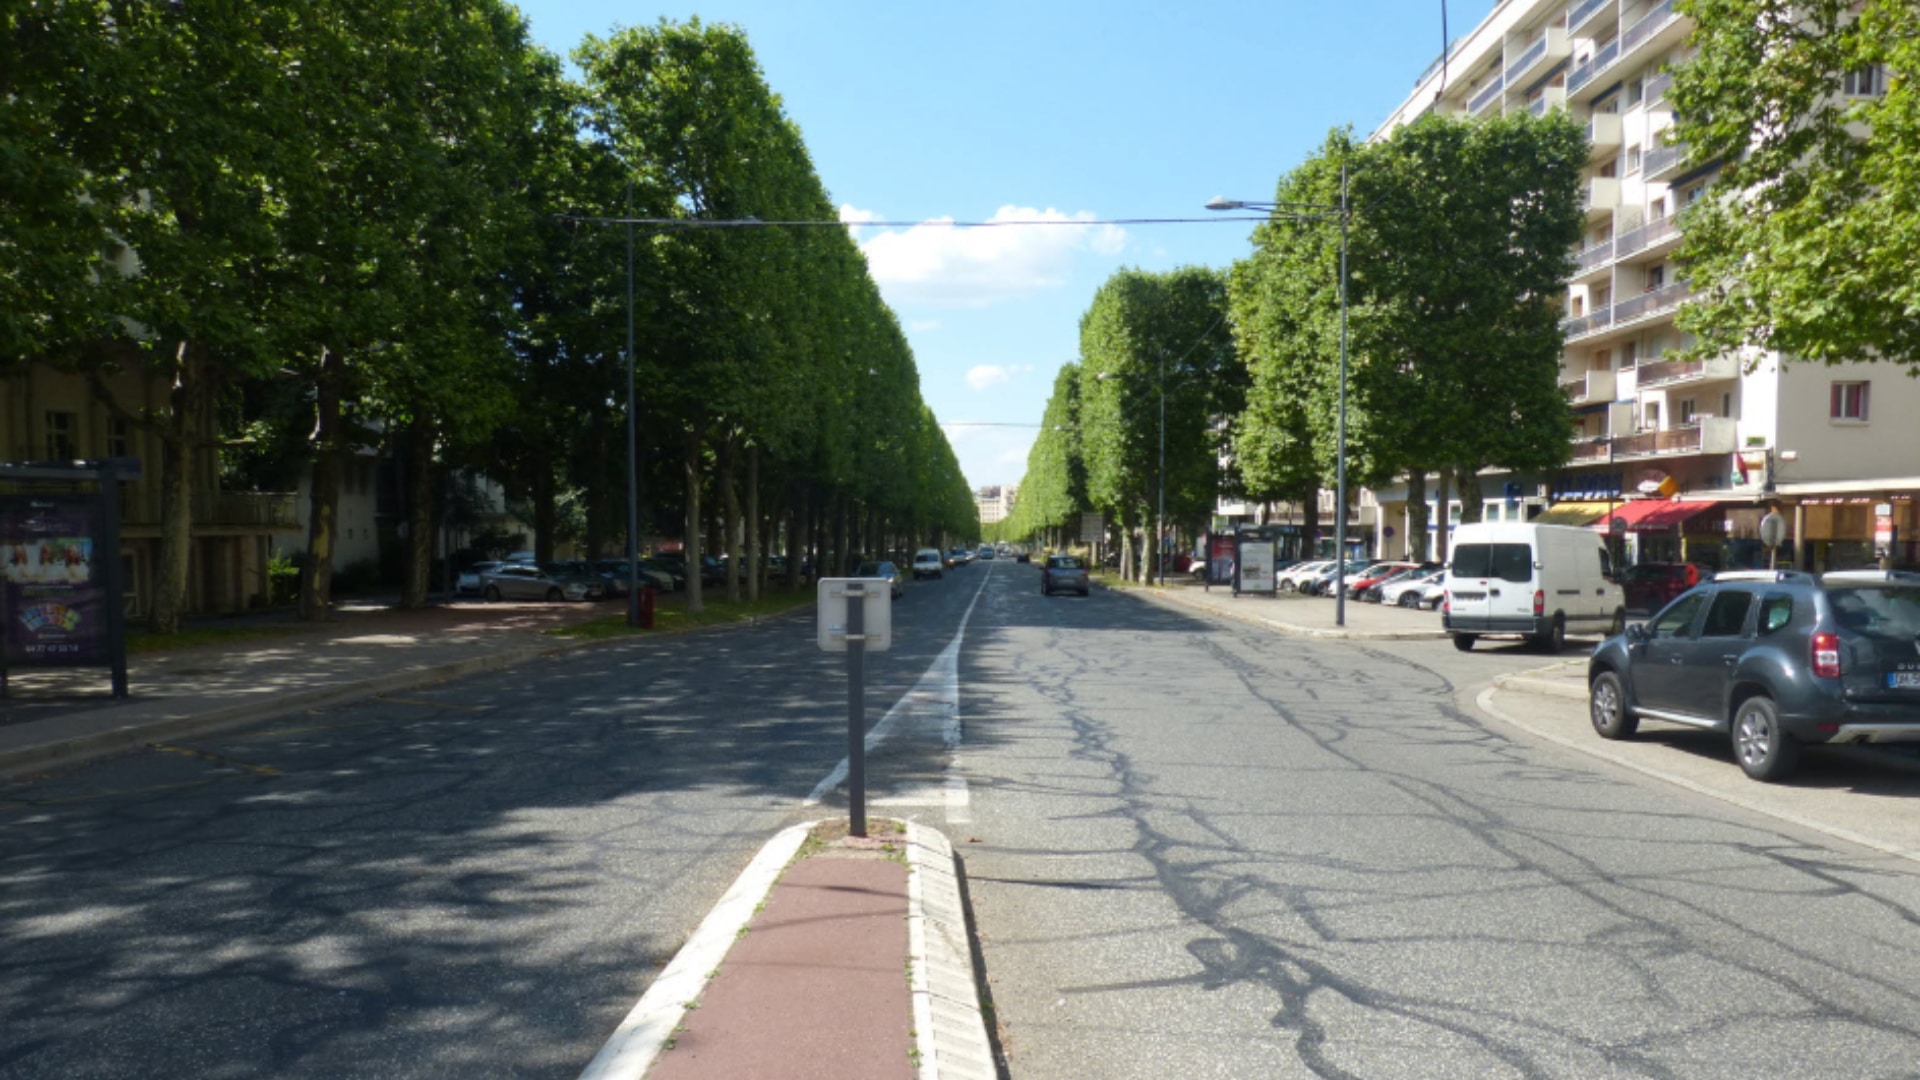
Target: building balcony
x,y
1583,75
1603,135
1551,97
1489,95
1586,325
1601,197
1664,163
1650,303
1666,373
1542,53
1656,88
1590,264
1583,12
1587,387
1704,435
1657,235
1589,450
1659,26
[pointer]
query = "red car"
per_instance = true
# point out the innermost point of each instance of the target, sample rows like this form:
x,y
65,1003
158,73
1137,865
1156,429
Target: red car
x,y
1651,586
1358,583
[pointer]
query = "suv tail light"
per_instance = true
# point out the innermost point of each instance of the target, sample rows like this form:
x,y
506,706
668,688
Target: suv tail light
x,y
1826,655
1539,601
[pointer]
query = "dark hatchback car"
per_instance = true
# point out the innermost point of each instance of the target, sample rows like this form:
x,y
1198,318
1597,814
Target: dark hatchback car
x,y
1776,659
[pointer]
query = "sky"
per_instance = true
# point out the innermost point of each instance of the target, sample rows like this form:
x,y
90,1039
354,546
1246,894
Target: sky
x,y
922,111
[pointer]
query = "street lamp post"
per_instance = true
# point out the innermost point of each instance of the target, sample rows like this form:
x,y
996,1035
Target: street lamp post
x,y
1343,213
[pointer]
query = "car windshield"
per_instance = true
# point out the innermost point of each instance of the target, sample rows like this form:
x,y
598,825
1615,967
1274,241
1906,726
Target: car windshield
x,y
868,569
1884,611
1064,562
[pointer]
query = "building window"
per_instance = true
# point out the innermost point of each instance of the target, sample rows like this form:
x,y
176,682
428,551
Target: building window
x,y
1635,91
1726,404
1610,169
119,439
1691,193
1686,412
1629,354
1650,417
60,445
1866,82
1849,402
1656,277
1633,159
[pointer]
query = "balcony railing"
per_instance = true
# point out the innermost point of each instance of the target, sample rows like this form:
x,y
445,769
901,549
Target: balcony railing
x,y
1662,161
1588,449
1671,372
1651,302
1602,194
1637,240
1587,72
1598,255
1487,96
1652,23
1531,56
1657,87
261,509
1551,98
1579,13
1705,435
1582,325
1587,386
1603,132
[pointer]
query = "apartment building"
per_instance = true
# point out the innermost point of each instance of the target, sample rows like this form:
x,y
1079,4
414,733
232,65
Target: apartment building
x,y
995,502
1679,459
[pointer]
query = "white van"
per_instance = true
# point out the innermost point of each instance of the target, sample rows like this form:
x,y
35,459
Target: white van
x,y
927,563
1539,581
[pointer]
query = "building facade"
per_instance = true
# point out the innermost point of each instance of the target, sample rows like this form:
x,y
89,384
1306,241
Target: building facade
x,y
995,503
1679,459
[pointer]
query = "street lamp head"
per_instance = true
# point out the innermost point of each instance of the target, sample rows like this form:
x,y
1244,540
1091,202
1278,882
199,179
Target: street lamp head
x,y
1221,202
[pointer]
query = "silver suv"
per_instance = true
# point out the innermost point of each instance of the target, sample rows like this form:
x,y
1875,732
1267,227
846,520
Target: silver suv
x,y
1776,659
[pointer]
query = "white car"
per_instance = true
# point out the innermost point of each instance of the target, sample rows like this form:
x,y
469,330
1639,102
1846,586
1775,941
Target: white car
x,y
926,563
1421,590
1289,580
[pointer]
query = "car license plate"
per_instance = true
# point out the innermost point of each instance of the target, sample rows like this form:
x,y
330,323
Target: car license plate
x,y
1903,680
1469,596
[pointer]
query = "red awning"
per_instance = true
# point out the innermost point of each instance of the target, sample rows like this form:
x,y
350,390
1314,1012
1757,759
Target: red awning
x,y
1650,515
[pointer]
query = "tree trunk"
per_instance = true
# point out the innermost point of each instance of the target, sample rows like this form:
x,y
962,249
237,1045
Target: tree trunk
x,y
797,520
691,527
1472,502
316,577
756,546
1310,522
180,436
1443,529
730,513
600,527
546,518
420,507
1417,516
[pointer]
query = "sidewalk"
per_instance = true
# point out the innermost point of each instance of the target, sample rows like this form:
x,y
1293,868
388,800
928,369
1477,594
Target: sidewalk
x,y
853,963
1306,616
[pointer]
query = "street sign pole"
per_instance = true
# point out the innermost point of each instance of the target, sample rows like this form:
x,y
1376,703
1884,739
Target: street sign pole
x,y
856,711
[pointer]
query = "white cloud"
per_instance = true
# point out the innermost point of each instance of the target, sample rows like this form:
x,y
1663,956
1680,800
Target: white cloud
x,y
1015,456
935,263
921,326
984,375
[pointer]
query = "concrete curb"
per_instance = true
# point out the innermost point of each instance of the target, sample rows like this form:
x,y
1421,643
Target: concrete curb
x,y
1538,682
634,1045
950,1030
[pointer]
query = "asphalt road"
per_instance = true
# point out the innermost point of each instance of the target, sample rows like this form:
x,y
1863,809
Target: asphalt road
x,y
1193,848
1197,850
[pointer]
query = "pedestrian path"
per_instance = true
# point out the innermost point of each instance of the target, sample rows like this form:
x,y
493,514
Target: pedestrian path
x,y
1307,616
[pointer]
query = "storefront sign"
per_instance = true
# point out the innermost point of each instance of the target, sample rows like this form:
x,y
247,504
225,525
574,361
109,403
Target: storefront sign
x,y
55,595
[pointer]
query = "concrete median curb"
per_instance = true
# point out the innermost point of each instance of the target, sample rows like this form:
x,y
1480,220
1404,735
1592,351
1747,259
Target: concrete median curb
x,y
1571,684
1290,629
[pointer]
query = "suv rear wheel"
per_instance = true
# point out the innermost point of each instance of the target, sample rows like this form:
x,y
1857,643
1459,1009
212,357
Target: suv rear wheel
x,y
1764,751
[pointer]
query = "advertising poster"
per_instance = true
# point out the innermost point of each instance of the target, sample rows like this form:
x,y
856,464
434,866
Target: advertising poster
x,y
55,602
1256,567
1220,559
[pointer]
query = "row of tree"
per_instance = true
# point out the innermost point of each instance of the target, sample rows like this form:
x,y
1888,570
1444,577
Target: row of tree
x,y
1457,243
330,223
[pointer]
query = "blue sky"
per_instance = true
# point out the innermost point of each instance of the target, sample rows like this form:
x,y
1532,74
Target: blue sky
x,y
918,110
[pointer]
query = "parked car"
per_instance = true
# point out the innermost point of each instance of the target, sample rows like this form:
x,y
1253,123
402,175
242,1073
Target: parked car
x,y
986,553
1421,589
927,563
470,582
712,570
1361,580
1289,580
539,581
886,570
675,573
1772,659
1319,582
1371,589
1064,573
1022,555
1651,586
614,571
1541,582
960,556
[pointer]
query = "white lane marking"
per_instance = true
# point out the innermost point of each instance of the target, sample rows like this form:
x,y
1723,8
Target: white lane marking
x,y
935,695
637,1041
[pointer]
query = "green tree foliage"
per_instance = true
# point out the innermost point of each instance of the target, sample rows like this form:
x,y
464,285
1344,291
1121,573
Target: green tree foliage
x,y
1054,488
1810,246
1157,363
1458,248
